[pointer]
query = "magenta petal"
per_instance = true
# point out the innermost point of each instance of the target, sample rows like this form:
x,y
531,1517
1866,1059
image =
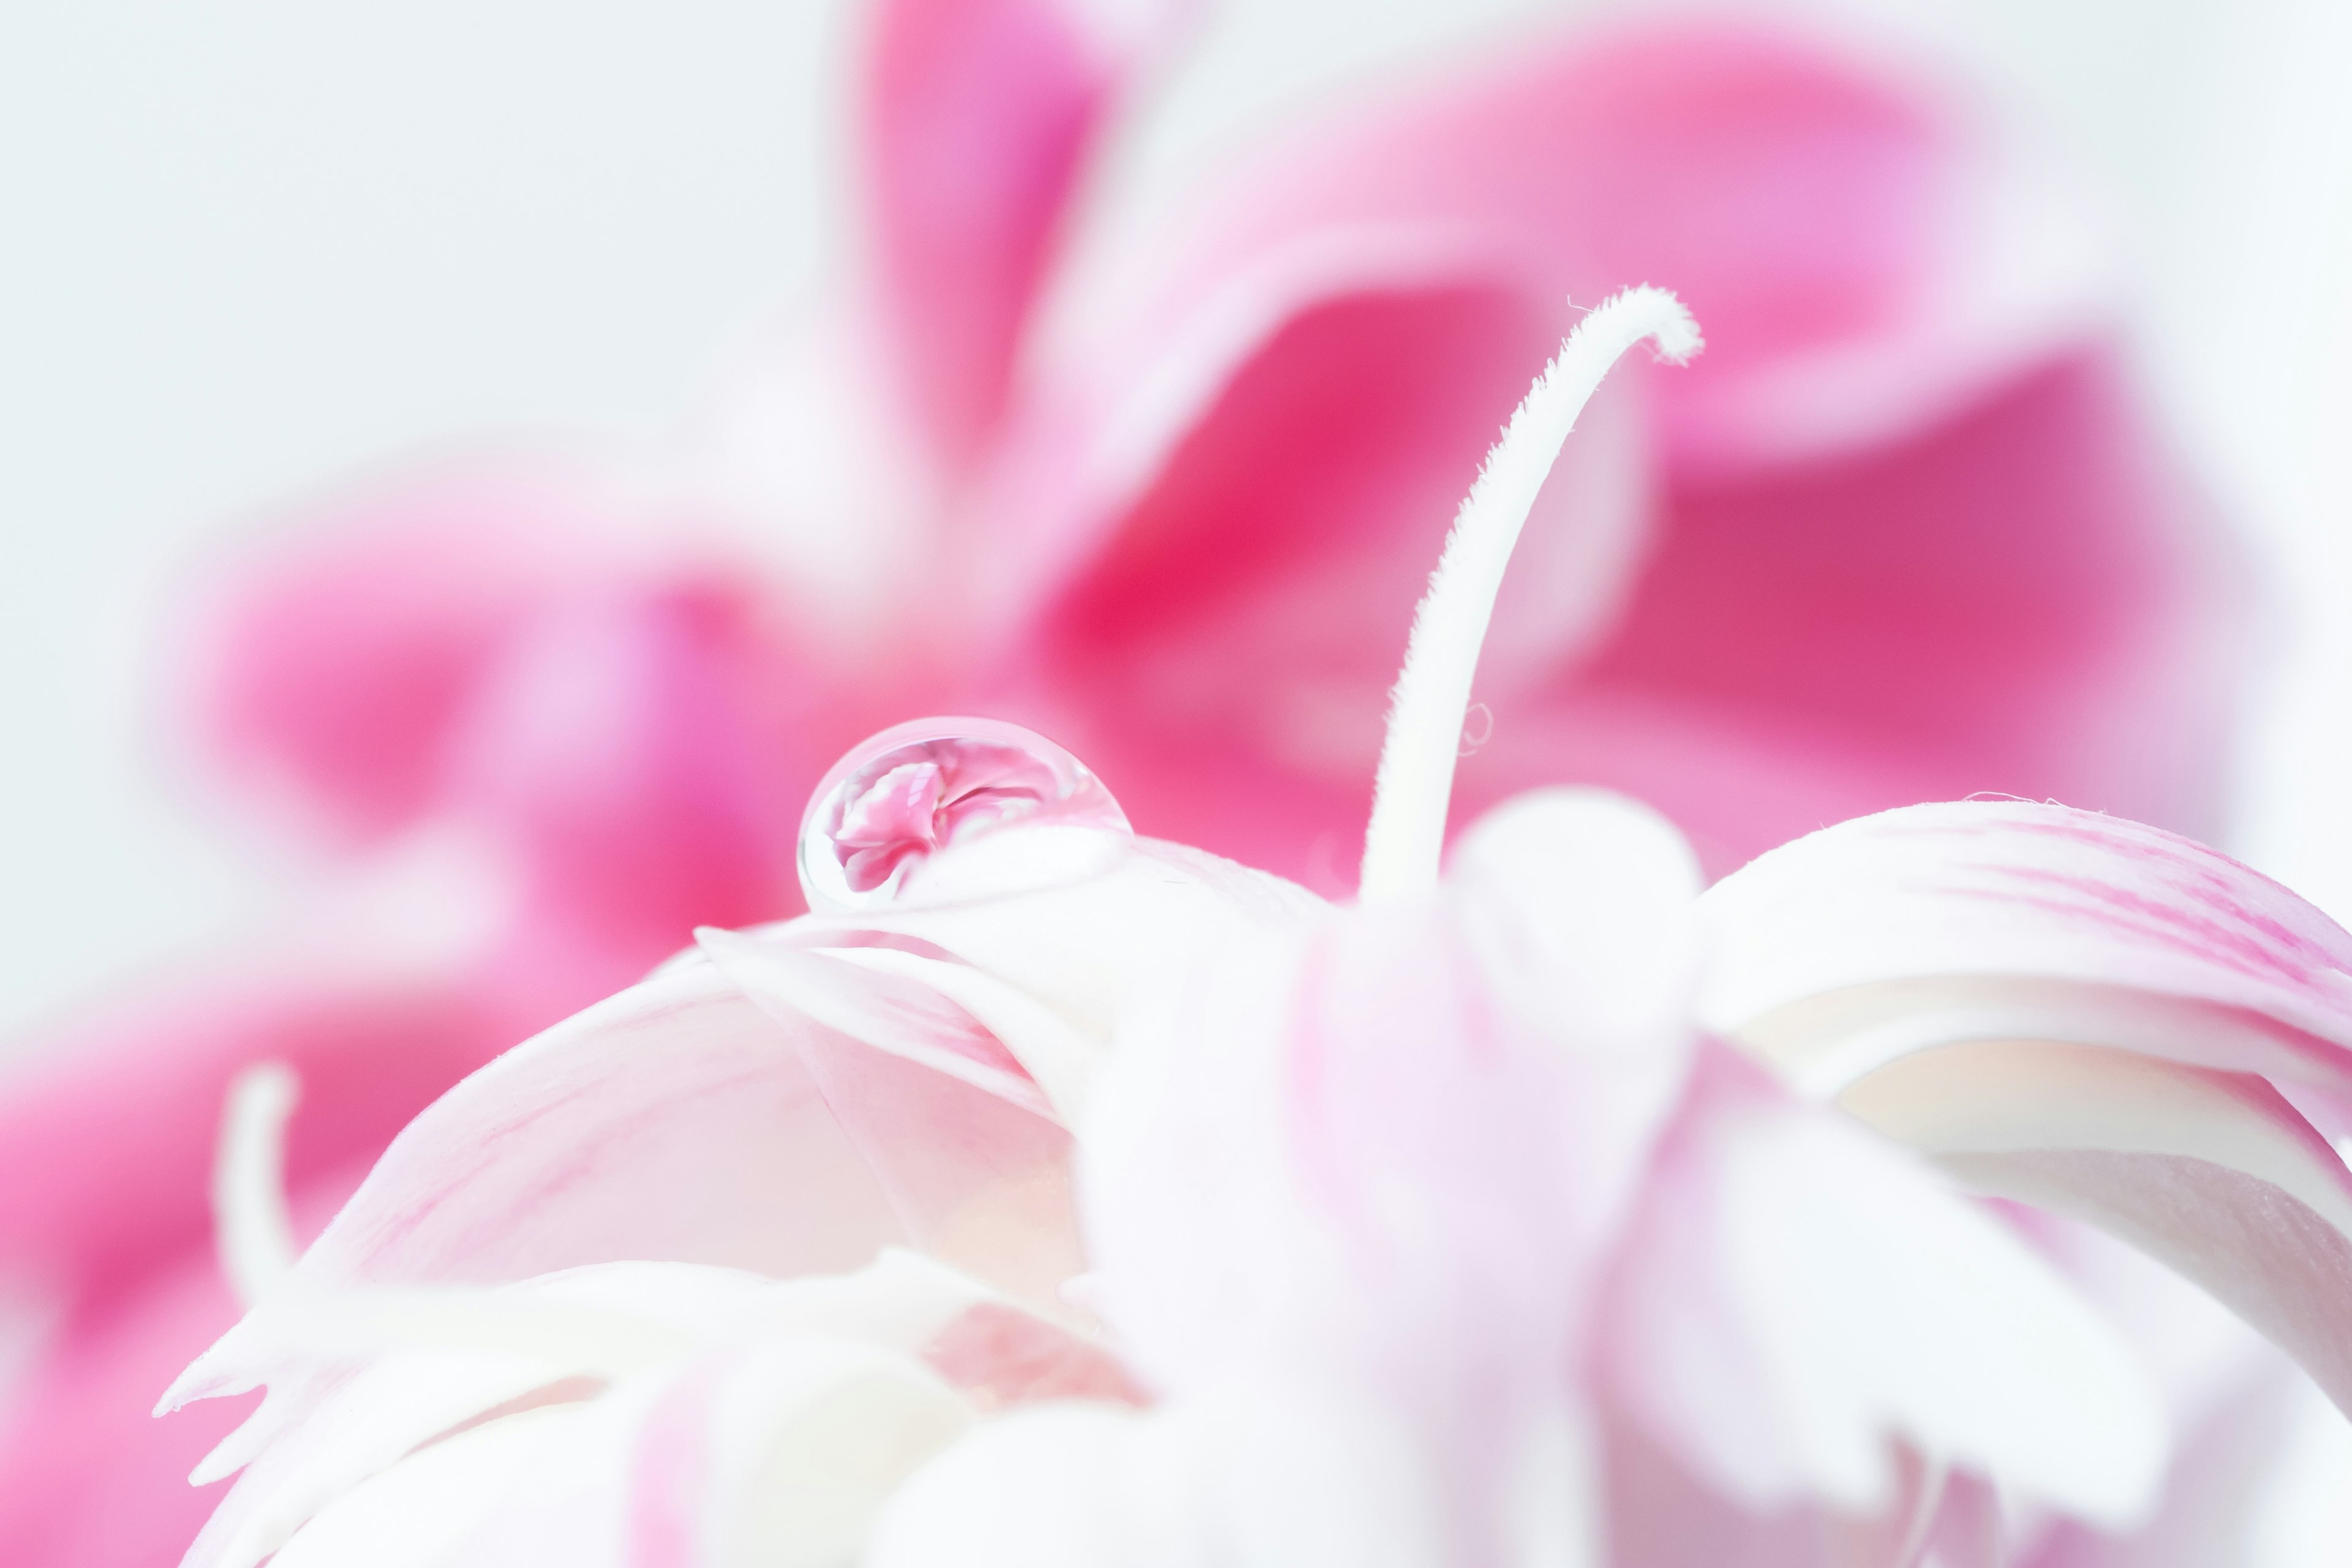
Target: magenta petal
x,y
1238,556
329,666
2028,598
146,1088
1856,251
635,752
88,1478
978,119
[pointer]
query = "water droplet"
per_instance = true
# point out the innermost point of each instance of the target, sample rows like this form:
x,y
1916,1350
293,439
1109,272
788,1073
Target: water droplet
x,y
909,791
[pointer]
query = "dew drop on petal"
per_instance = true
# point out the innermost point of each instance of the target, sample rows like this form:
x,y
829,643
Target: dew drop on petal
x,y
916,788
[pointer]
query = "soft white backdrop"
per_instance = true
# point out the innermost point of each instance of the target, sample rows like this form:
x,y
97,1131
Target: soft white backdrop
x,y
247,246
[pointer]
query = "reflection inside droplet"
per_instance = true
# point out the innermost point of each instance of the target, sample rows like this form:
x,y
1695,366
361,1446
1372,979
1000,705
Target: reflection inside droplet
x,y
891,804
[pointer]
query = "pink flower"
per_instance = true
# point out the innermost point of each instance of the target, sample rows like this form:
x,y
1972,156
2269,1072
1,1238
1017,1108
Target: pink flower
x,y
1484,1221
1906,535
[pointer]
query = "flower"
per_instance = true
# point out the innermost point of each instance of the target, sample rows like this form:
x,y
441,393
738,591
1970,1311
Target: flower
x,y
1485,1221
1906,535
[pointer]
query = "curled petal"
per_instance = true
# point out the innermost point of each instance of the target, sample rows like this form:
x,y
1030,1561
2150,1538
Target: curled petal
x,y
1089,945
1795,1297
1865,941
673,1122
2212,1173
957,1136
2076,1010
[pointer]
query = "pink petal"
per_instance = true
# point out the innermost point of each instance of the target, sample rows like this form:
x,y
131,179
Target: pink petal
x,y
1089,947
1674,757
2214,1502
1384,1156
1894,933
1226,574
1277,1475
2085,978
88,1478
146,1087
899,1015
2028,598
1902,551
1660,1516
978,1180
330,665
438,1362
1866,259
674,1122
978,119
639,752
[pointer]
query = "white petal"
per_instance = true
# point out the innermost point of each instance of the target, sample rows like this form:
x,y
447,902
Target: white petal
x,y
1797,1294
2212,1173
420,1511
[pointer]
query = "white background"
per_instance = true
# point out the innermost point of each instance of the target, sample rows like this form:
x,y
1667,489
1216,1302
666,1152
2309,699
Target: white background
x,y
247,246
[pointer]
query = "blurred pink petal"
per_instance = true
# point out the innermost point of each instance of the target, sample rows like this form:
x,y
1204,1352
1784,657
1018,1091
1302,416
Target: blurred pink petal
x,y
623,749
977,119
330,666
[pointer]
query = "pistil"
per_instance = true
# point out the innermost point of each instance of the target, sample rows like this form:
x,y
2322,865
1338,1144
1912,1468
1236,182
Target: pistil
x,y
1431,698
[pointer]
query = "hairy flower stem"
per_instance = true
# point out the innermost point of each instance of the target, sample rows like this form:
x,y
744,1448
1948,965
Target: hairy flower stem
x,y
1431,697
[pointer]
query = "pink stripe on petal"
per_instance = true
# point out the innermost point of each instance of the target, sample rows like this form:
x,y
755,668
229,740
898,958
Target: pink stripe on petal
x,y
998,1355
669,1479
673,1122
2001,890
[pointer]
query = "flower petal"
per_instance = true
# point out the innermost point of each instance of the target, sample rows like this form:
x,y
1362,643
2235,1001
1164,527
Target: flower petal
x,y
1878,937
330,665
2212,1173
2078,1011
462,1357
422,1511
979,115
1272,1476
1239,547
977,1176
627,749
1795,1296
1865,258
673,1122
905,1017
1090,947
